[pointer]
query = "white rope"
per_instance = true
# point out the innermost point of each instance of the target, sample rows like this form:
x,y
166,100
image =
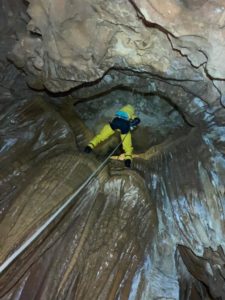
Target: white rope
x,y
40,230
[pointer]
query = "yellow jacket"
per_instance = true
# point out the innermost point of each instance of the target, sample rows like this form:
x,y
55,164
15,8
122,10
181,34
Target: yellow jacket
x,y
107,131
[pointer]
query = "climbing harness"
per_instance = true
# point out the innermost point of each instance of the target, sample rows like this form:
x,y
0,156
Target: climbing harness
x,y
53,217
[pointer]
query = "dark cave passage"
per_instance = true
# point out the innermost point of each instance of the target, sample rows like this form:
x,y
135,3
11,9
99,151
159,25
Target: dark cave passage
x,y
159,119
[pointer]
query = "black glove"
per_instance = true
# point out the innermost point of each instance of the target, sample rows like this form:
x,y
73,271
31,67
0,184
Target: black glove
x,y
127,163
87,149
135,122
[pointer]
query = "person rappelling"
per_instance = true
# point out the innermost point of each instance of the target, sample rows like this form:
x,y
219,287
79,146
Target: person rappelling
x,y
124,121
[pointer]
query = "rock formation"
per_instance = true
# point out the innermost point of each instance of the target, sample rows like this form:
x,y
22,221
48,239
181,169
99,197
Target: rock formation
x,y
155,231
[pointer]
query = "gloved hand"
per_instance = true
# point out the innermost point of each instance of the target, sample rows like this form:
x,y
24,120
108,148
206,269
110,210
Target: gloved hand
x,y
87,149
134,122
127,163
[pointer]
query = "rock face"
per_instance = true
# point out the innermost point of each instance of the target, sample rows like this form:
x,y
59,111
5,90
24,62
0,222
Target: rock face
x,y
155,231
72,42
196,29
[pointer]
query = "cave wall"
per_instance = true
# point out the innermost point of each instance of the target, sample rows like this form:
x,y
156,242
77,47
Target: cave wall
x,y
71,43
13,20
155,231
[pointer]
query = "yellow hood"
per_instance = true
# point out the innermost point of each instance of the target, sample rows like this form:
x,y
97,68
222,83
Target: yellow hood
x,y
128,109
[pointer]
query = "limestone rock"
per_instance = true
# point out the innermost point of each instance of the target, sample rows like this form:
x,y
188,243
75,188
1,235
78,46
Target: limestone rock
x,y
207,269
196,29
74,45
29,131
153,232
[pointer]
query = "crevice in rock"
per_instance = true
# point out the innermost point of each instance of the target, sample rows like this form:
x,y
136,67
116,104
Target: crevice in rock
x,y
145,83
208,270
148,23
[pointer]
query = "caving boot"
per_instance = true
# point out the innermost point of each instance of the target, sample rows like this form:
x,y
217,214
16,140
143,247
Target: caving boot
x,y
127,163
87,149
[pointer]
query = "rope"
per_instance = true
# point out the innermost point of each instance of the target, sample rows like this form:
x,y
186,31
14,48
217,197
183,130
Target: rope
x,y
52,218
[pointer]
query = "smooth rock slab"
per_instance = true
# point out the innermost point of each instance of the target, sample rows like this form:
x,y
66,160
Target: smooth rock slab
x,y
104,244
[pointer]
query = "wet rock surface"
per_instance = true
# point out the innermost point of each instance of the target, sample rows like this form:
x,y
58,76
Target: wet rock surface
x,y
207,269
155,231
29,131
120,236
